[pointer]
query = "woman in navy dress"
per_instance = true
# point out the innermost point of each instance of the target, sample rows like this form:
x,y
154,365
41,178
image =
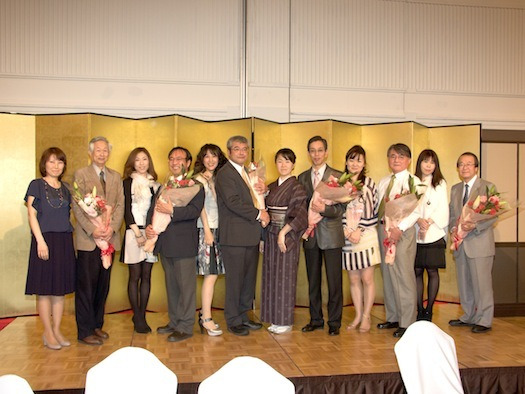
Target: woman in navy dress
x,y
51,271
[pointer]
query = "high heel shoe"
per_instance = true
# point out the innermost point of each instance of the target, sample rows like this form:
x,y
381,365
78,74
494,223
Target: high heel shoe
x,y
50,346
366,326
354,325
214,332
200,317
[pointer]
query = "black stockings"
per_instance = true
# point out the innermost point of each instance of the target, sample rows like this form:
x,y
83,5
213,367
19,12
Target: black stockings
x,y
139,278
433,287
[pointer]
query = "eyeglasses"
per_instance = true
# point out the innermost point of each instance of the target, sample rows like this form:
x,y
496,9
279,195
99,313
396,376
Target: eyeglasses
x,y
466,165
237,149
178,158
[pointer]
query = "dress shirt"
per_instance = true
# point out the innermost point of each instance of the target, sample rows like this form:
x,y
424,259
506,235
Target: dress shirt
x,y
400,185
320,172
240,169
98,170
434,205
470,185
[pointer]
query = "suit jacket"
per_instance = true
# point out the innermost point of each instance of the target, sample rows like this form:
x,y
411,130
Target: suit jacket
x,y
181,238
238,225
86,178
329,232
480,241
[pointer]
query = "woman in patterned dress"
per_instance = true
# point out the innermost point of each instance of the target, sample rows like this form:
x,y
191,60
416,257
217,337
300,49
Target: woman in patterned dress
x,y
361,251
51,271
140,185
286,204
209,260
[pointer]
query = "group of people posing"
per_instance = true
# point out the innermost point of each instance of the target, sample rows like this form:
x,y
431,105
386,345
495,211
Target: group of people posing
x,y
223,229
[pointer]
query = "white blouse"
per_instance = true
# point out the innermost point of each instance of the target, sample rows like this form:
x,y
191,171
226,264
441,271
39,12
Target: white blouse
x,y
434,205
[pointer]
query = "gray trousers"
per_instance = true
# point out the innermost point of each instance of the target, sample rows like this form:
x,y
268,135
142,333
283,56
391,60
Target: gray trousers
x,y
475,288
399,280
181,283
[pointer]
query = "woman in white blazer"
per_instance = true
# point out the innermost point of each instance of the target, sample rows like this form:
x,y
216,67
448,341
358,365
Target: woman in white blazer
x,y
431,230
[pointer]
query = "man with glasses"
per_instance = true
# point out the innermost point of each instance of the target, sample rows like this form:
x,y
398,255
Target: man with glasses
x,y
178,246
475,255
327,240
240,224
399,279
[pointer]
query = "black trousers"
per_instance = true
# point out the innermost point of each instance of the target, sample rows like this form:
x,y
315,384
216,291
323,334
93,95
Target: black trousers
x,y
92,291
334,276
240,264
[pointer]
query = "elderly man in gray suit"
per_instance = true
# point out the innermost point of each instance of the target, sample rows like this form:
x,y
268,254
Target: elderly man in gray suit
x,y
328,240
475,255
92,285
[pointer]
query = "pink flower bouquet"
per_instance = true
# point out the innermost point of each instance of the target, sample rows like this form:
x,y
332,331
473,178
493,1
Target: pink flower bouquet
x,y
179,191
336,190
99,213
484,207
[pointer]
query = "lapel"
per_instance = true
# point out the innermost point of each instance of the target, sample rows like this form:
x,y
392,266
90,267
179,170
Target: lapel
x,y
238,176
96,181
309,184
476,190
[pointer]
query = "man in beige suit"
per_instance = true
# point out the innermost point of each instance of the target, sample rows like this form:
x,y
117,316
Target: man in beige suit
x,y
92,285
475,255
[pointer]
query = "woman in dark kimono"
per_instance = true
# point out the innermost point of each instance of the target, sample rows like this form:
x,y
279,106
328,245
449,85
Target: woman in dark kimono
x,y
286,204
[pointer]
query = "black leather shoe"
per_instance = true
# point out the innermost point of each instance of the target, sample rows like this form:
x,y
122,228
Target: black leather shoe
x,y
251,325
165,329
459,323
333,331
240,330
177,336
388,324
477,329
312,327
399,332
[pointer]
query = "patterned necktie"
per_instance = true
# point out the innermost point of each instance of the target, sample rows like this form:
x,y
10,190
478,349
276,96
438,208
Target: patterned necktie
x,y
102,181
381,209
465,196
317,179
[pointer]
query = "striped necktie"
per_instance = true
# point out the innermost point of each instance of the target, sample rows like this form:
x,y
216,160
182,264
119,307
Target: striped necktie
x,y
465,196
102,181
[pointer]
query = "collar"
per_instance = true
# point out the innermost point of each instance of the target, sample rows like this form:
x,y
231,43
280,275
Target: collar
x,y
470,183
238,167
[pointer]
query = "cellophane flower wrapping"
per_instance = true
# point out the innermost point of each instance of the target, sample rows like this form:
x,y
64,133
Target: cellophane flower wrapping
x,y
256,174
179,191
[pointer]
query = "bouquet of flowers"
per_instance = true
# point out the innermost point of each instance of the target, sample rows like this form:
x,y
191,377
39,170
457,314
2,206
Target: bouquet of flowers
x,y
354,211
99,213
484,207
179,191
336,190
256,174
396,210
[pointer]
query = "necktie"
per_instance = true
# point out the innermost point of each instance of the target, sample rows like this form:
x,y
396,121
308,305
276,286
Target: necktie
x,y
465,196
381,209
252,194
317,179
102,181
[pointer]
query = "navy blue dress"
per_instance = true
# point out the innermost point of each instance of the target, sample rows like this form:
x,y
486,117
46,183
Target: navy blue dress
x,y
55,276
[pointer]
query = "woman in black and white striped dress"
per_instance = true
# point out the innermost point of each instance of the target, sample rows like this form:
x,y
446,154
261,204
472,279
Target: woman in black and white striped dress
x,y
361,251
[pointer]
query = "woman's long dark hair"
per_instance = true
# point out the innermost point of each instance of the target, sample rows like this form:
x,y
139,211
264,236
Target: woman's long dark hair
x,y
437,176
214,150
353,152
129,167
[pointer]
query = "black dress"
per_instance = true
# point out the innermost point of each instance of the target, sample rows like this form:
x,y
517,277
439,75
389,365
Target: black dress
x,y
55,276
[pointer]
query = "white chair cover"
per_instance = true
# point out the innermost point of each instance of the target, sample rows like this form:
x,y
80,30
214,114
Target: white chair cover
x,y
427,360
130,370
246,375
13,384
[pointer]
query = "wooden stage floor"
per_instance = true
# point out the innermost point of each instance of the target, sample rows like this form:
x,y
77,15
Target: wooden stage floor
x,y
295,354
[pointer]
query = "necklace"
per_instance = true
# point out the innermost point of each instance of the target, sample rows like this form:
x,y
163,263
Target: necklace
x,y
59,193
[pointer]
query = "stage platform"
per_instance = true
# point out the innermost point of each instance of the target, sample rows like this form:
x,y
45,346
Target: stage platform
x,y
315,362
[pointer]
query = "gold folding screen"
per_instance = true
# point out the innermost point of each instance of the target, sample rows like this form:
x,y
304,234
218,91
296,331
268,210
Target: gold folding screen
x,y
27,136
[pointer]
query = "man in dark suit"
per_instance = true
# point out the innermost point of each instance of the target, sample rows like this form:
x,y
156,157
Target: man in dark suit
x,y
178,246
328,240
92,285
475,255
240,224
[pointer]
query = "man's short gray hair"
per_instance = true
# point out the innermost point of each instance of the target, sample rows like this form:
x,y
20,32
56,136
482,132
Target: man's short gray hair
x,y
97,139
236,138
